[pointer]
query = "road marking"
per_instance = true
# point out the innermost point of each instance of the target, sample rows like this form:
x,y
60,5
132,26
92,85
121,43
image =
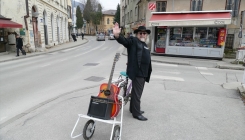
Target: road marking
x,y
104,48
53,53
206,73
167,78
168,65
3,118
202,68
45,65
63,60
171,72
66,50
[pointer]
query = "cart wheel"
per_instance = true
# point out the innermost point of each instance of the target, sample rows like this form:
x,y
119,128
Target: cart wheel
x,y
116,133
88,130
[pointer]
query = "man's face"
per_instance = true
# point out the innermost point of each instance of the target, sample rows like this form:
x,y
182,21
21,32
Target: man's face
x,y
17,36
141,35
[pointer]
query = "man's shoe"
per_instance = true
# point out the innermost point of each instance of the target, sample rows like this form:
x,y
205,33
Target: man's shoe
x,y
17,55
141,112
141,118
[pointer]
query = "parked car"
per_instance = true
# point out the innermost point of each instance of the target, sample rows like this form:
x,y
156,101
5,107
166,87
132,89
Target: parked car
x,y
100,36
111,37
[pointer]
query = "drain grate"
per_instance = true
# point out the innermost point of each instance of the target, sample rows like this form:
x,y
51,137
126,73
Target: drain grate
x,y
91,64
94,78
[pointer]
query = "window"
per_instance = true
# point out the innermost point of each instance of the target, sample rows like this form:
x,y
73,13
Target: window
x,y
131,16
196,5
136,11
161,6
234,6
108,21
194,37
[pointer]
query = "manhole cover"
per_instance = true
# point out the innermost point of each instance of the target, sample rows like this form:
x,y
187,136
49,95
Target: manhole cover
x,y
91,64
95,78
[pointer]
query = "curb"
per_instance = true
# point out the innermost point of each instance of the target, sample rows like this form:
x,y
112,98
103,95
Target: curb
x,y
230,67
241,90
187,64
41,53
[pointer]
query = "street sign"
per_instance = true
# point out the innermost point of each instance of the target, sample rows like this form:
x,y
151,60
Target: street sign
x,y
151,6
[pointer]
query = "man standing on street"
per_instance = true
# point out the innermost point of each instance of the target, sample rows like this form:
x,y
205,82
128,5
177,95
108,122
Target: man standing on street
x,y
139,65
19,45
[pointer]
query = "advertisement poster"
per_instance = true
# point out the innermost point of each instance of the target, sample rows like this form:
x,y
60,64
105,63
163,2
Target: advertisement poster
x,y
221,37
22,31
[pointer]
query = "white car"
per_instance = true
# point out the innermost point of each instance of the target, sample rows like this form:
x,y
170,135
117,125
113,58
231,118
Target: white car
x,y
111,37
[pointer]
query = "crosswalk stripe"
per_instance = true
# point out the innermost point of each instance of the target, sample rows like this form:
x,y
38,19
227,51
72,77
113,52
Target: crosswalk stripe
x,y
167,77
206,73
168,65
202,68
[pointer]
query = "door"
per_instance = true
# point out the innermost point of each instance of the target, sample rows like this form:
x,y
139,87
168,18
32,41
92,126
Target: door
x,y
35,31
2,39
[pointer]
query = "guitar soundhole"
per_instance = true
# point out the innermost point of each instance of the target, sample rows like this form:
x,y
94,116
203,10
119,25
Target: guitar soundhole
x,y
107,92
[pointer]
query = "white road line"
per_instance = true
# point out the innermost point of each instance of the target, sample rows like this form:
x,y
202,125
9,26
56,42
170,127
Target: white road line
x,y
104,48
167,78
90,50
45,65
63,60
3,118
206,73
66,50
171,72
53,53
162,64
202,68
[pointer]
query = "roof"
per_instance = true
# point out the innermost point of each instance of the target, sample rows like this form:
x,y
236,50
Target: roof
x,y
109,12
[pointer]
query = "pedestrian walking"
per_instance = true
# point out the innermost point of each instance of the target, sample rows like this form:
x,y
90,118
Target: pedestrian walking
x,y
139,65
19,45
73,37
82,36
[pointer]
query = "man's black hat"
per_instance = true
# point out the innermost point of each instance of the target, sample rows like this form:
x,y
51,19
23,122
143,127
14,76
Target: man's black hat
x,y
142,28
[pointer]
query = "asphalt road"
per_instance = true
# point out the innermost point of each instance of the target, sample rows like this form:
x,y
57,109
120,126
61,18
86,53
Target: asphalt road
x,y
41,97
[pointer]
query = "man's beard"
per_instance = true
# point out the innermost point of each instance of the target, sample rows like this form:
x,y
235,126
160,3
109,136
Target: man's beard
x,y
146,40
142,39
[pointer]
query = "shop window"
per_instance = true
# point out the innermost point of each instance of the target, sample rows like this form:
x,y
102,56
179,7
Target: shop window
x,y
161,6
196,5
234,6
194,37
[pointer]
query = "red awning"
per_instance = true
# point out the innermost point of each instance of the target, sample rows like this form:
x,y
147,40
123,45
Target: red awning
x,y
9,24
168,19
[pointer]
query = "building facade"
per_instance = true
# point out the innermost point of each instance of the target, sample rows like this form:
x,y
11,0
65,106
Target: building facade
x,y
166,17
45,22
106,23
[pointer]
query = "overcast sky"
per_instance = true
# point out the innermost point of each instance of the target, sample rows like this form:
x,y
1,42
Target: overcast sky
x,y
109,4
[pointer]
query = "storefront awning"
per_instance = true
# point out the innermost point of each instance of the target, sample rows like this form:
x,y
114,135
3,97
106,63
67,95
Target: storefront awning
x,y
190,18
9,24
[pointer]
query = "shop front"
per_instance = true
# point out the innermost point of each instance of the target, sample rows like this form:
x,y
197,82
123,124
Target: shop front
x,y
5,24
199,33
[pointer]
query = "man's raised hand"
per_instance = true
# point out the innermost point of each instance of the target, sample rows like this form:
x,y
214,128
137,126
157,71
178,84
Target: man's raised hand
x,y
116,30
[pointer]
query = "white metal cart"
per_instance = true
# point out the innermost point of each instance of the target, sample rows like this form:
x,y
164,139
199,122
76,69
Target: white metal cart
x,y
89,127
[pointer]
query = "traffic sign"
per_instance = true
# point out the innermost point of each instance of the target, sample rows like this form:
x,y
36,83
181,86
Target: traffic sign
x,y
151,6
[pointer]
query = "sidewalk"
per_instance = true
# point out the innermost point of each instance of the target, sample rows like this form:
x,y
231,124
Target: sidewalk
x,y
198,62
9,56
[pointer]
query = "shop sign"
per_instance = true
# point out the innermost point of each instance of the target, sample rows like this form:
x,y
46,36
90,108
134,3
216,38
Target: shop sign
x,y
154,24
151,6
221,37
219,22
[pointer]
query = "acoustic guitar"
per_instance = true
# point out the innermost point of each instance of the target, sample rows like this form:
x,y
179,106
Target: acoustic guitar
x,y
111,91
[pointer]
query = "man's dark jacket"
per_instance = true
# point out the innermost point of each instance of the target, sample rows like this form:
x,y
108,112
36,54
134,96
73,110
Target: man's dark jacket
x,y
19,42
135,49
